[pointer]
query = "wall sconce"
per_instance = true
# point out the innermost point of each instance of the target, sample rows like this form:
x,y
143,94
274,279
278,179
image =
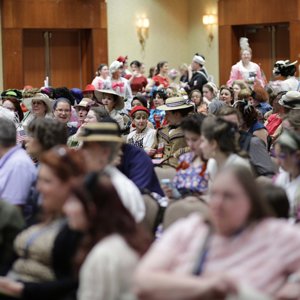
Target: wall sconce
x,y
142,30
209,21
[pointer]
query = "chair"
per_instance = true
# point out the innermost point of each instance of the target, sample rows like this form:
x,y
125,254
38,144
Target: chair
x,y
183,208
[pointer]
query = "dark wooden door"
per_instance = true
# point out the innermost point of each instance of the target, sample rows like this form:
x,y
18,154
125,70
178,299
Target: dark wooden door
x,y
269,43
53,53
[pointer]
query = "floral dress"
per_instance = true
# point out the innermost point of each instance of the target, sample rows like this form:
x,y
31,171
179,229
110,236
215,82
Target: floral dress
x,y
190,179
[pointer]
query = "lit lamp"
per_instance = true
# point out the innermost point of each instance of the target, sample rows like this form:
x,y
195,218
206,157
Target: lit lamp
x,y
142,29
209,20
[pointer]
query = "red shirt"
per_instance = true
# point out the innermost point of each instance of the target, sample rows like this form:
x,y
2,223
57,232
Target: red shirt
x,y
273,122
138,83
158,79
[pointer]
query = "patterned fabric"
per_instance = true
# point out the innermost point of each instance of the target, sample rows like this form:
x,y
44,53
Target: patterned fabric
x,y
190,178
136,142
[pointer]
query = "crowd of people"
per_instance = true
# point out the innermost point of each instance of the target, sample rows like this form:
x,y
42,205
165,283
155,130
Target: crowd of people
x,y
153,187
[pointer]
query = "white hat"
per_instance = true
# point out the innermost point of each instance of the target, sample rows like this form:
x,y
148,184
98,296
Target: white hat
x,y
115,65
41,97
199,59
290,100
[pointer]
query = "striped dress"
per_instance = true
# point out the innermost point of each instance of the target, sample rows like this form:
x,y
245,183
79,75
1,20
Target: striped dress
x,y
262,256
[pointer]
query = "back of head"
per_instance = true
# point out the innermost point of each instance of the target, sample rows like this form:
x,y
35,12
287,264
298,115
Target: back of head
x,y
65,163
193,123
259,93
107,214
276,198
100,112
223,132
48,132
7,133
247,111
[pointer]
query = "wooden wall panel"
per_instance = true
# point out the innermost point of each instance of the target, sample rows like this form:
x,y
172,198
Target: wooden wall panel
x,y
51,14
12,58
295,41
100,53
239,12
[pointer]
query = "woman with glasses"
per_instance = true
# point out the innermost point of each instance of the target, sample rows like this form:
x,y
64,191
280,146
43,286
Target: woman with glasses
x,y
240,253
62,112
38,105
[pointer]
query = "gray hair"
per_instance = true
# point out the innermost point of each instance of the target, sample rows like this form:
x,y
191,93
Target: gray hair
x,y
7,133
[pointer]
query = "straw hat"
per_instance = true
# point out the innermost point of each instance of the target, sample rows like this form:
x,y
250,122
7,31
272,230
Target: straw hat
x,y
290,100
176,103
85,103
100,132
119,101
40,97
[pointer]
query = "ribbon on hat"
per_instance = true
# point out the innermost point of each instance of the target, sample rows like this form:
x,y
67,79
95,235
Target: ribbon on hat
x,y
89,131
291,103
119,85
180,102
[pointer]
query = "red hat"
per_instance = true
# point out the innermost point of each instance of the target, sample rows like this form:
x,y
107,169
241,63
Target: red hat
x,y
122,59
139,108
89,88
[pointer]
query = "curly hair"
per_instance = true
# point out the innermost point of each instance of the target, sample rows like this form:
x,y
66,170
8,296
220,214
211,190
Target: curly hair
x,y
248,112
259,93
48,132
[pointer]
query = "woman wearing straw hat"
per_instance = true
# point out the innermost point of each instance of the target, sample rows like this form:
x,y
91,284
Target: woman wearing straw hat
x,y
39,105
170,139
113,103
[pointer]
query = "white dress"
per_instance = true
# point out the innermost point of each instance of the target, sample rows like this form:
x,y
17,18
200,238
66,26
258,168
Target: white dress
x,y
106,274
143,140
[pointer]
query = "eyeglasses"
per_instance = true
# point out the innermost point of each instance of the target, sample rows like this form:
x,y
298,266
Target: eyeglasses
x,y
37,102
67,111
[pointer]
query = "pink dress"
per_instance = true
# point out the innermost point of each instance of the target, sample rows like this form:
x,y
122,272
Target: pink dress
x,y
250,74
261,256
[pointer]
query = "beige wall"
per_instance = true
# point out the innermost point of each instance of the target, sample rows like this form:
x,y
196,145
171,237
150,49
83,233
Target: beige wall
x,y
198,35
176,31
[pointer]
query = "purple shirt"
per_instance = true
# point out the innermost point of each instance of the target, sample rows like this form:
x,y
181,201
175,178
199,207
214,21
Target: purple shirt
x,y
17,174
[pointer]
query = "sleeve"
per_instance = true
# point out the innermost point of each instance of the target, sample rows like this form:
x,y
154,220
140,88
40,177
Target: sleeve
x,y
149,139
25,177
171,249
234,75
128,92
259,76
99,278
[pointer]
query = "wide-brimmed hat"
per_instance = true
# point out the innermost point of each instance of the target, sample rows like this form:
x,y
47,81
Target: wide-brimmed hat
x,y
289,139
176,103
100,132
40,97
119,101
290,100
139,108
85,103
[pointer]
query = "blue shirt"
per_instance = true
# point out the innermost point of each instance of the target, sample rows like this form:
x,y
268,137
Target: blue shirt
x,y
17,174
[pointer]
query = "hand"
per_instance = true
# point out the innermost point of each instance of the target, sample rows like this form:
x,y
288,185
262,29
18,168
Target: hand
x,y
167,190
151,152
219,287
10,287
290,291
